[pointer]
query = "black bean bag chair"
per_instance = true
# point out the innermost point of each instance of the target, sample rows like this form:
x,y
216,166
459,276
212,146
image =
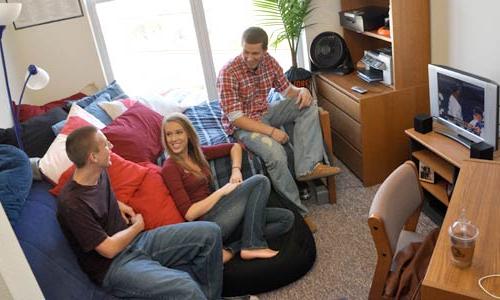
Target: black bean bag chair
x,y
297,247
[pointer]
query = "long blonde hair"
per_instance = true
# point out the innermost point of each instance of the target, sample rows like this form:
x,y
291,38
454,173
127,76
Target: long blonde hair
x,y
194,148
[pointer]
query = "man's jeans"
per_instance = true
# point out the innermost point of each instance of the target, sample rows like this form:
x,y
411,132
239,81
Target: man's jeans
x,y
247,204
307,146
182,261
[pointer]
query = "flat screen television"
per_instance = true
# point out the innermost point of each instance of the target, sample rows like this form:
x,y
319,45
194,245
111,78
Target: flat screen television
x,y
466,104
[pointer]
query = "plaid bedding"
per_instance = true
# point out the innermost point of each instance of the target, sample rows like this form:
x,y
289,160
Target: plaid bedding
x,y
206,119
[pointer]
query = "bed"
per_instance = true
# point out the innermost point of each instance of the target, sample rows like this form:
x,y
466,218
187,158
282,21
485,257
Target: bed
x,y
53,262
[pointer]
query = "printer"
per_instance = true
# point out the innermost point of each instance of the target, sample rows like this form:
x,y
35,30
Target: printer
x,y
378,66
364,18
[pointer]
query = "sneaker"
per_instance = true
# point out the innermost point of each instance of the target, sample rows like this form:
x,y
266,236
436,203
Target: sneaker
x,y
320,171
309,222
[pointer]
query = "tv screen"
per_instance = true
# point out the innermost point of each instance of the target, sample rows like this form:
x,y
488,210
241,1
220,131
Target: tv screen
x,y
466,104
461,103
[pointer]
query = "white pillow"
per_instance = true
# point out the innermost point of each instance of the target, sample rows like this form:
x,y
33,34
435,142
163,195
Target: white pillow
x,y
162,105
56,161
115,108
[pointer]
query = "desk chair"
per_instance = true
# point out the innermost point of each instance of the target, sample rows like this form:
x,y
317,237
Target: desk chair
x,y
393,219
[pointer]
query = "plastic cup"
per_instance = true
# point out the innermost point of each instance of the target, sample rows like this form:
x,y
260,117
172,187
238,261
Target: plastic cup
x,y
463,236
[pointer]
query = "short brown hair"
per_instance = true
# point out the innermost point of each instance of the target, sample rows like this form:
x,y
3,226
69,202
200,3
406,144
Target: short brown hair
x,y
255,35
80,143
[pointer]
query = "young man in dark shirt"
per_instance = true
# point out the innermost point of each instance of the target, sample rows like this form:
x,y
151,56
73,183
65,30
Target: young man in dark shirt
x,y
181,261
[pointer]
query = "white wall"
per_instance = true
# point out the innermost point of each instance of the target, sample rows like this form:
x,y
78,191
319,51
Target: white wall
x,y
13,72
65,49
464,35
324,17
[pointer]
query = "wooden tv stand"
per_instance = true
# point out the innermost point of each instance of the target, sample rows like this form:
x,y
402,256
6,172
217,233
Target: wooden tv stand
x,y
444,155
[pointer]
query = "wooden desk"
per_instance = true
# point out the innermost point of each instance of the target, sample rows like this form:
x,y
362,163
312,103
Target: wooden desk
x,y
478,191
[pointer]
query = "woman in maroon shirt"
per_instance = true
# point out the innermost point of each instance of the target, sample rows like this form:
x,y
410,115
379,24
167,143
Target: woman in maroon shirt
x,y
187,174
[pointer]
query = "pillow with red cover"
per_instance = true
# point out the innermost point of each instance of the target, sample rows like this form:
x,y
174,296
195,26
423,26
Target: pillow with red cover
x,y
28,111
140,187
135,134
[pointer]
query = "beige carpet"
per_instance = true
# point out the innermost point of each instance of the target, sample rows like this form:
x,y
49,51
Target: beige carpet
x,y
346,254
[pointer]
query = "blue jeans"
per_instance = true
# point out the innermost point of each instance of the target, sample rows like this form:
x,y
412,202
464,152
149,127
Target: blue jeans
x,y
182,261
308,146
247,204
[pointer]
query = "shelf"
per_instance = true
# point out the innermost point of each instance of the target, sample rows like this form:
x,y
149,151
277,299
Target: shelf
x,y
438,190
374,34
439,165
345,82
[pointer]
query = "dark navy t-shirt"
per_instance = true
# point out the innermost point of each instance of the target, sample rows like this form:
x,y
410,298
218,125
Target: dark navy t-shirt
x,y
88,215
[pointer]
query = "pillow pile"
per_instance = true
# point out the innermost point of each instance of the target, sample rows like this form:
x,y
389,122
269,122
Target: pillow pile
x,y
28,111
36,133
55,161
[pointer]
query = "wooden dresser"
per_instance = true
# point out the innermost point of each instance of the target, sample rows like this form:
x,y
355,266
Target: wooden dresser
x,y
368,130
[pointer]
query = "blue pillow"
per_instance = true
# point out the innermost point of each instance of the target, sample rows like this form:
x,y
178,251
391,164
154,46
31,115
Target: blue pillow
x,y
113,89
15,180
94,109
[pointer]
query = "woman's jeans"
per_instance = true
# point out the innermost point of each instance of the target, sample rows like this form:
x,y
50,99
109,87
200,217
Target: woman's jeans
x,y
181,261
247,205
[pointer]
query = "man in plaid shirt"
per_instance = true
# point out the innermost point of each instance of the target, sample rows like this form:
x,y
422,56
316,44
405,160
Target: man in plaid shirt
x,y
243,85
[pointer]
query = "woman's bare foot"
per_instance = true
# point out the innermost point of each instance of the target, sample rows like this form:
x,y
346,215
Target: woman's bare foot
x,y
257,253
226,255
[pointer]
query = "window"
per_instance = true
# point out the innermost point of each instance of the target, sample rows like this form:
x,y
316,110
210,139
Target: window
x,y
159,46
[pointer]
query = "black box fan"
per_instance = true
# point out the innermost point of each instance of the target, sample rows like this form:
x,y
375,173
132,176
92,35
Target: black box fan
x,y
329,53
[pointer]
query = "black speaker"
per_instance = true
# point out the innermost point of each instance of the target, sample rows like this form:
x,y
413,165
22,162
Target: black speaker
x,y
481,150
422,123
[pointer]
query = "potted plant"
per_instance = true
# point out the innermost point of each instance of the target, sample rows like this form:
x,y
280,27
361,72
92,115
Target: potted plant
x,y
288,17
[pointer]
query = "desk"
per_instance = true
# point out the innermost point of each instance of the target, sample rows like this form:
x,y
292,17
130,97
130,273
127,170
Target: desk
x,y
478,191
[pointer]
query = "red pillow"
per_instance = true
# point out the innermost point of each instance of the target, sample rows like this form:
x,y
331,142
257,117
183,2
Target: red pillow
x,y
136,134
153,200
140,187
28,111
125,177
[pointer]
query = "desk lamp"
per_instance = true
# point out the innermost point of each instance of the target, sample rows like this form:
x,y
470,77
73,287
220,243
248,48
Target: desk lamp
x,y
36,78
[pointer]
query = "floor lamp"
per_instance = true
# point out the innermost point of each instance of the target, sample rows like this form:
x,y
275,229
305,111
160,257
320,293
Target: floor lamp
x,y
36,78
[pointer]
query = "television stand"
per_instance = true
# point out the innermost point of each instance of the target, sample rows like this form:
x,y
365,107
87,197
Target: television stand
x,y
444,156
453,134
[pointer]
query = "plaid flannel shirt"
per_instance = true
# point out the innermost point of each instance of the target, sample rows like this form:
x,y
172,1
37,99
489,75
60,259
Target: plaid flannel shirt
x,y
243,91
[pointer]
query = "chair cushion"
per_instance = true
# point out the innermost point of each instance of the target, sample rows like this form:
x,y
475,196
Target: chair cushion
x,y
15,180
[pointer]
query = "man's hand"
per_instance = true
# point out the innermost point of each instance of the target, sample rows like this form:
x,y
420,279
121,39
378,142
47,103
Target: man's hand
x,y
137,219
304,98
126,211
279,136
236,176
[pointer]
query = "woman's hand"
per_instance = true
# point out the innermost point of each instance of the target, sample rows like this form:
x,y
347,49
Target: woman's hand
x,y
236,176
228,188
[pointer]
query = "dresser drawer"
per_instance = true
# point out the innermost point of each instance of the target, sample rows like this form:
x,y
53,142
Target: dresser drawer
x,y
343,124
341,100
344,151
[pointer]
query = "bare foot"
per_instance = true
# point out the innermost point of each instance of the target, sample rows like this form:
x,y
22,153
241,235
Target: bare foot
x,y
226,255
257,253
